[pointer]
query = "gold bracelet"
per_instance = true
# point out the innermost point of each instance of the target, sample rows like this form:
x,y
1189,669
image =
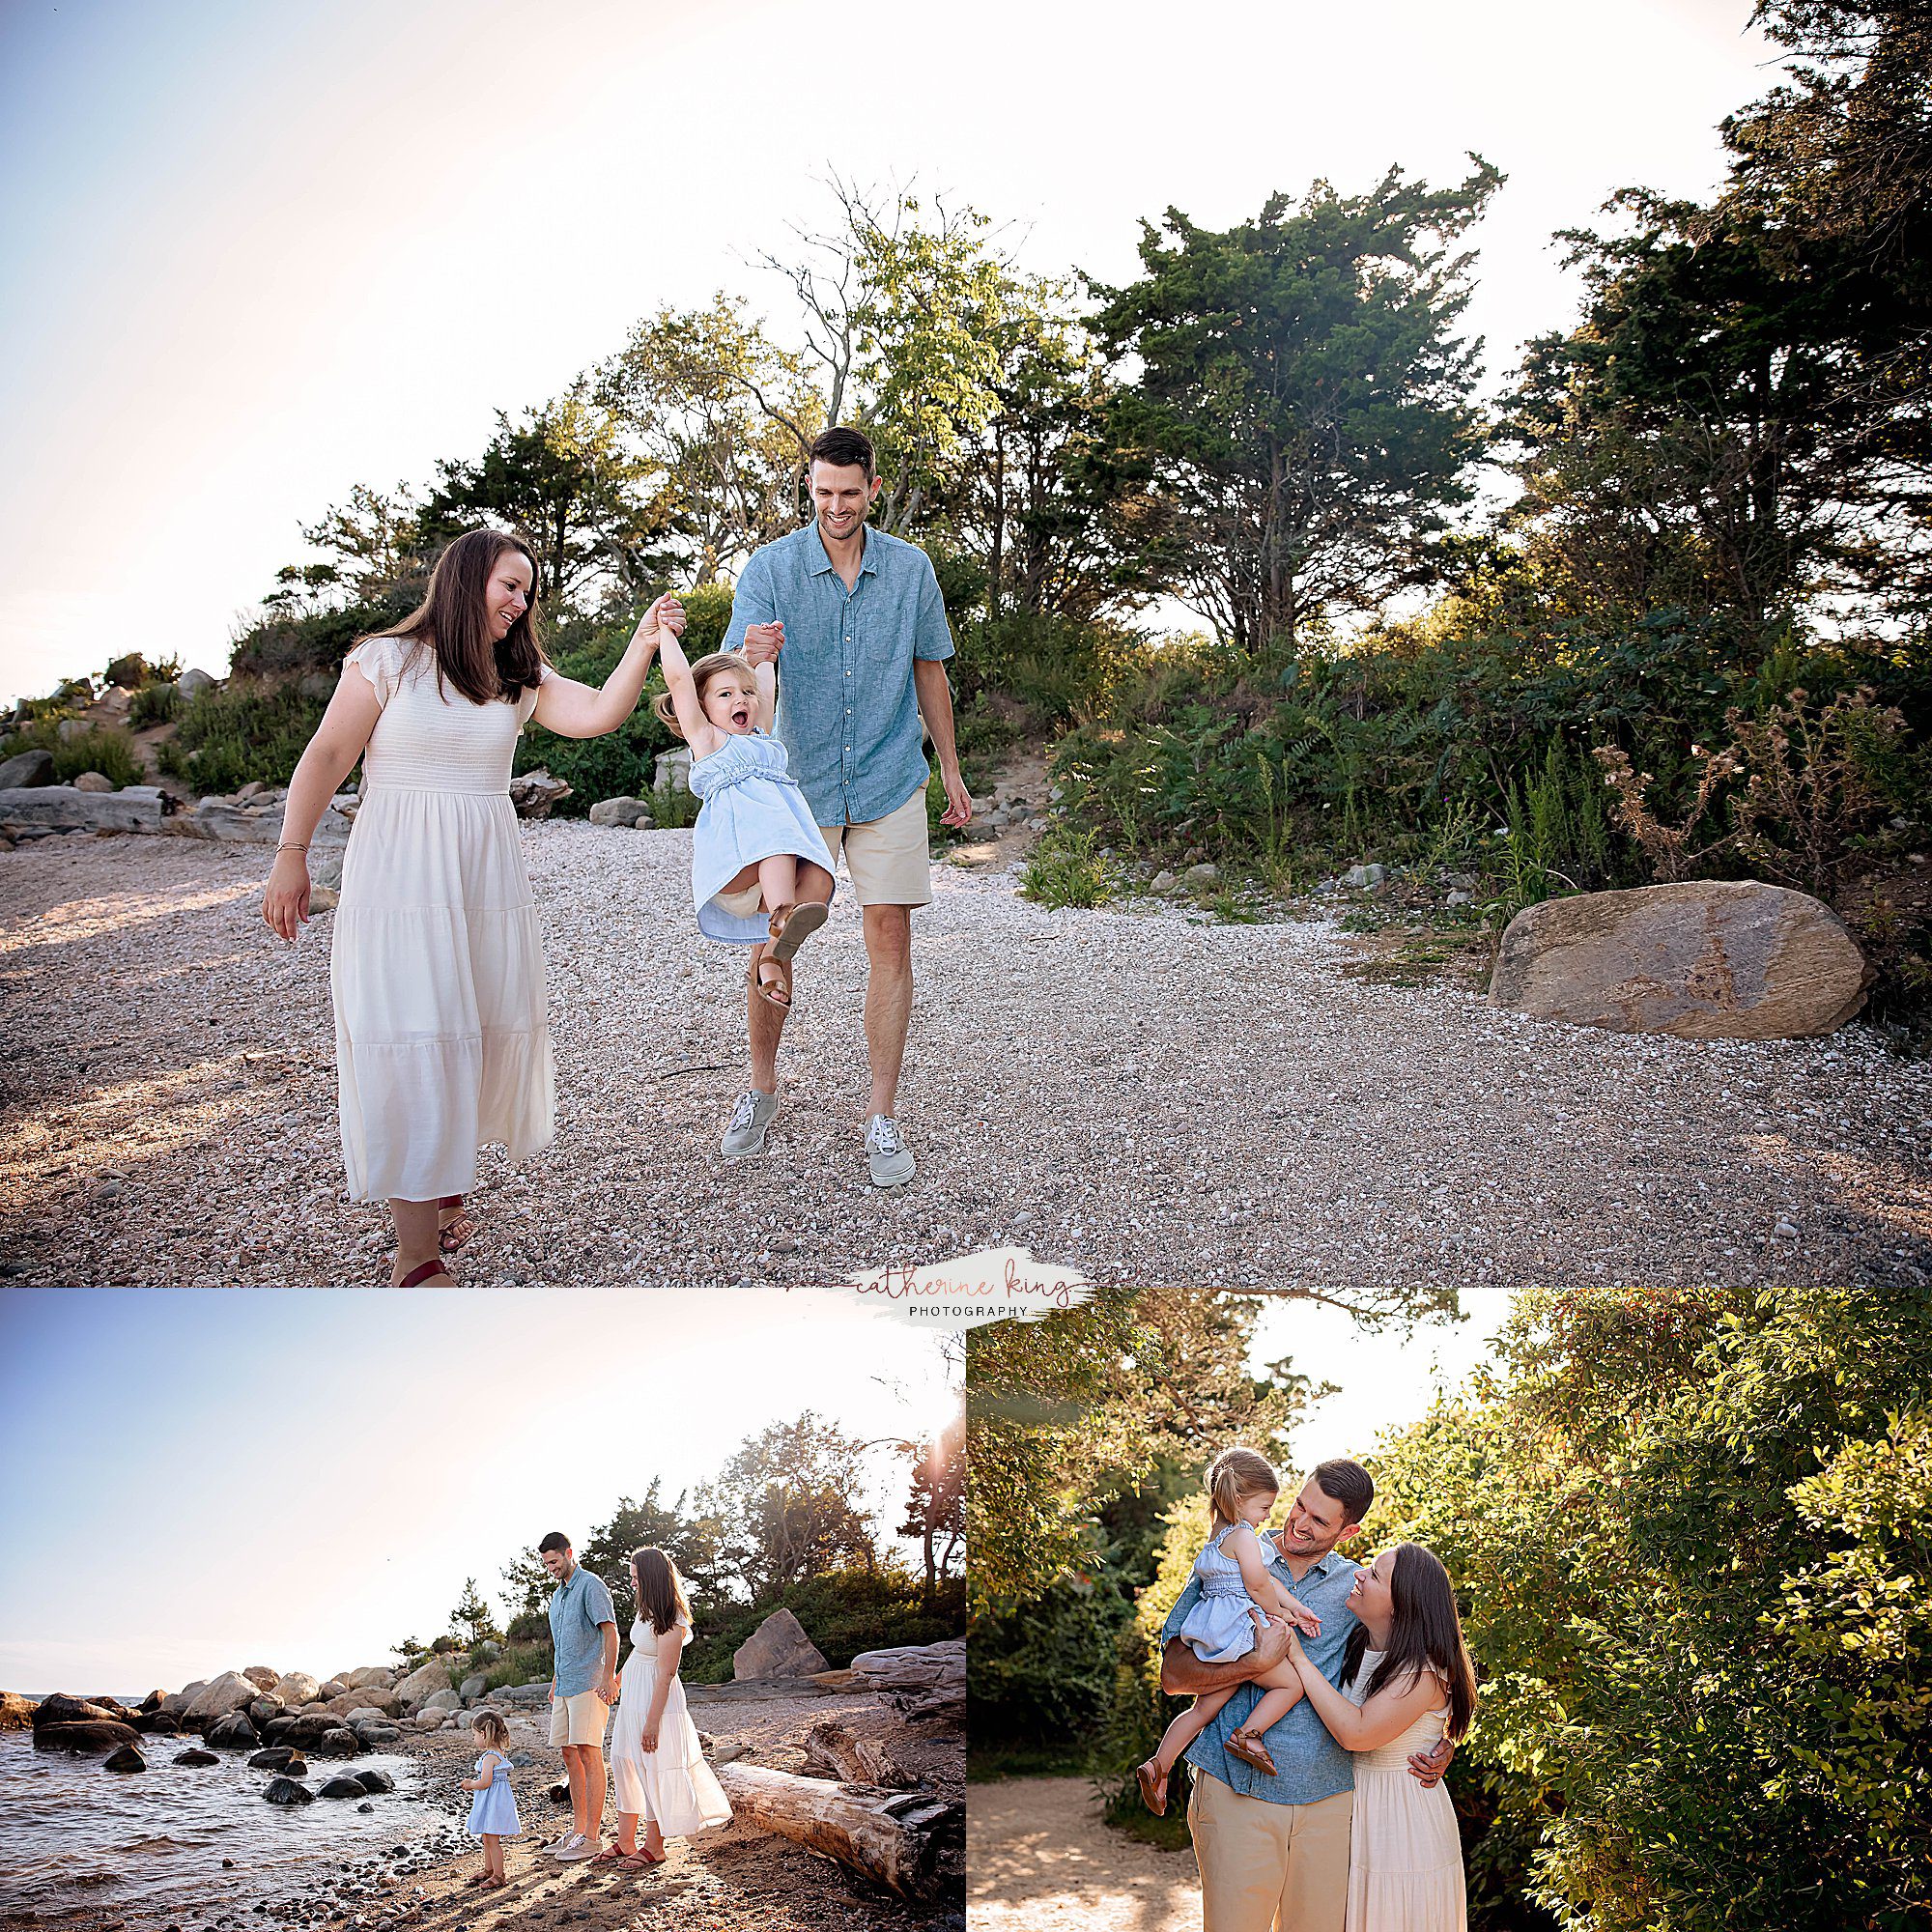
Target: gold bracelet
x,y
290,846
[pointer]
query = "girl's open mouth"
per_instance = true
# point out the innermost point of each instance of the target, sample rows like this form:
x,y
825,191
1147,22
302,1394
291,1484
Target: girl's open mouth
x,y
741,719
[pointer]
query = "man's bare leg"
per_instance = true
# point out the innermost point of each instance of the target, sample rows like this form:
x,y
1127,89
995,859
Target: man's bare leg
x,y
888,1000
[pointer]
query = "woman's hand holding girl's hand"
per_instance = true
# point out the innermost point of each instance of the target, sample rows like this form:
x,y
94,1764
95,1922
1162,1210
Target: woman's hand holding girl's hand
x,y
665,615
285,902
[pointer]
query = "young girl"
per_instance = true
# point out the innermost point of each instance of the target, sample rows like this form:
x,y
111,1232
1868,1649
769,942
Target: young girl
x,y
656,1760
1220,1629
756,847
493,1811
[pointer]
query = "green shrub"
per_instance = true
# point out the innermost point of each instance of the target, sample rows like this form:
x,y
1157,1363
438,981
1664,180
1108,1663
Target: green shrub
x,y
1066,869
155,704
318,642
1045,1674
106,749
133,672
246,729
843,1611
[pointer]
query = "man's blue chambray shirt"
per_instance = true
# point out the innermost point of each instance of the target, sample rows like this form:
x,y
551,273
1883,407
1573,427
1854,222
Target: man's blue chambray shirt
x,y
848,716
1311,1765
577,1608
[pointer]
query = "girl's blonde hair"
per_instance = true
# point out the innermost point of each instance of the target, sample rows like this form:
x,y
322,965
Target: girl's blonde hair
x,y
1237,1475
491,1728
713,665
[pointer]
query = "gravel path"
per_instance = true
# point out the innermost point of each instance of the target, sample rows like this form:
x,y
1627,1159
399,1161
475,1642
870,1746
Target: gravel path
x,y
1038,1858
1150,1099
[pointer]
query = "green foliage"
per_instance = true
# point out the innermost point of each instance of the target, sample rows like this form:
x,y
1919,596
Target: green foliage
x,y
246,729
843,1611
472,1620
131,671
106,749
1067,869
1691,1530
1044,1674
292,642
622,762
154,704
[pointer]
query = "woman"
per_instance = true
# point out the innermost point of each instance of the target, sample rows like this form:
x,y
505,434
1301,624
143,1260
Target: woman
x,y
655,1761
441,1027
1406,1681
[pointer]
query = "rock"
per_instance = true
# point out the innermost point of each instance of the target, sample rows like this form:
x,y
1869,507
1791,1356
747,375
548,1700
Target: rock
x,y
304,1732
376,1700
126,1758
473,1688
288,1791
71,728
672,770
334,1688
630,814
97,781
17,1713
1364,878
423,1681
63,809
99,1734
728,1753
1458,897
262,1709
176,1703
1163,882
25,769
294,1688
337,1742
362,1712
196,1756
217,818
375,1783
230,1691
912,1666
488,1651
777,1648
369,1674
440,1701
158,1722
343,1787
533,793
277,1758
61,1709
558,1793
1700,960
431,1721
192,683
1204,875
261,1676
373,1732
234,1732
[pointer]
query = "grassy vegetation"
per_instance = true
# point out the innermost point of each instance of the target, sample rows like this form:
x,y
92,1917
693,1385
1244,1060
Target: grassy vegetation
x,y
248,730
106,749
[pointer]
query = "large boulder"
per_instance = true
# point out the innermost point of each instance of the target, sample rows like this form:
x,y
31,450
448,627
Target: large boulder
x,y
156,1721
533,793
296,1688
17,1713
277,1757
27,769
234,1732
132,809
192,683
265,1708
777,1648
61,1709
176,1702
472,1686
488,1651
376,1783
230,1691
374,1733
1703,960
305,1732
261,1676
423,1681
100,1734
442,1700
340,1742
914,1666
370,1673
343,1787
629,814
384,1702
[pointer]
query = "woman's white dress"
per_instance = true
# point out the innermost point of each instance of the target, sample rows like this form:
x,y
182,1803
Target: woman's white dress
x,y
672,1784
1405,1852
441,1019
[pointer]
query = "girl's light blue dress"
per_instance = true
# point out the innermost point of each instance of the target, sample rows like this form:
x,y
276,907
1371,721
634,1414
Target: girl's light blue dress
x,y
753,810
493,1808
1219,1628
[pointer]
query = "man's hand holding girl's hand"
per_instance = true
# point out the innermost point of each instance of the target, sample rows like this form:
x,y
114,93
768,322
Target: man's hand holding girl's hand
x,y
763,642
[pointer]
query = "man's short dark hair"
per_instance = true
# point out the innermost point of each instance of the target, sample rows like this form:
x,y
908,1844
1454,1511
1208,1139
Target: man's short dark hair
x,y
844,448
1349,1484
558,1541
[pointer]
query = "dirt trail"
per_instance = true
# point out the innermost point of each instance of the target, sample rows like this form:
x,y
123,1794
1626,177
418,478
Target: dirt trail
x,y
1039,1859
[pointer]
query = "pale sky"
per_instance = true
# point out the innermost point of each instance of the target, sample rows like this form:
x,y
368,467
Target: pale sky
x,y
1382,1380
256,255
196,1482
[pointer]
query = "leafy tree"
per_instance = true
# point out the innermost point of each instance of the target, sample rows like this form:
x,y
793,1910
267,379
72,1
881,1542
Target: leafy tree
x,y
691,1540
472,1620
1302,423
1692,1529
529,1584
936,1502
785,1509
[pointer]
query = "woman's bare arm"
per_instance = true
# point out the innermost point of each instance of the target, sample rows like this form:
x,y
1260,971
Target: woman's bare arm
x,y
1380,1721
576,710
339,740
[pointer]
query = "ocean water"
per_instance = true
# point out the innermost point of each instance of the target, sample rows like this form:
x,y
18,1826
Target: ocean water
x,y
152,1843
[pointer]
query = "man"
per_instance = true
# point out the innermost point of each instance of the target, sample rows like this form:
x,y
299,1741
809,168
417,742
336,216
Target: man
x,y
862,626
582,1688
1273,1851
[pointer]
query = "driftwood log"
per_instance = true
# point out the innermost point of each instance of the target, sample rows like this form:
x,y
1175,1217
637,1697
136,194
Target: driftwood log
x,y
856,1760
910,1842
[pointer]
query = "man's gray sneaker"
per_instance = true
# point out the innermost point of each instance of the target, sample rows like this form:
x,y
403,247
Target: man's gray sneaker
x,y
886,1153
745,1134
562,1847
578,1847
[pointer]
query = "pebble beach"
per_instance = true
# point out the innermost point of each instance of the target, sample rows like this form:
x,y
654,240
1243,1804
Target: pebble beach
x,y
1131,1092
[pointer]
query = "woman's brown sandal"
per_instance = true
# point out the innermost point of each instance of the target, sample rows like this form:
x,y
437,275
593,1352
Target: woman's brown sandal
x,y
1152,1781
1249,1749
458,1227
428,1271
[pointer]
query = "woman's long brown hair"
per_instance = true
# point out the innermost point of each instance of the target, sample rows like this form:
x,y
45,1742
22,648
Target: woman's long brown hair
x,y
453,620
1425,1633
660,1598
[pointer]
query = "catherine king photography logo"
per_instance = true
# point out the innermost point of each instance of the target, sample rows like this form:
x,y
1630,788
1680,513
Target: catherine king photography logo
x,y
996,1285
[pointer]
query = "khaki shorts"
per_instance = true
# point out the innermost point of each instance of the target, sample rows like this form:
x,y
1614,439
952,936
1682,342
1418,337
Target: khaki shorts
x,y
578,1719
890,859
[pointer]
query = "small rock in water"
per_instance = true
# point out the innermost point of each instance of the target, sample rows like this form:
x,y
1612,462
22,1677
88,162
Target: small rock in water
x,y
126,1758
286,1791
195,1757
